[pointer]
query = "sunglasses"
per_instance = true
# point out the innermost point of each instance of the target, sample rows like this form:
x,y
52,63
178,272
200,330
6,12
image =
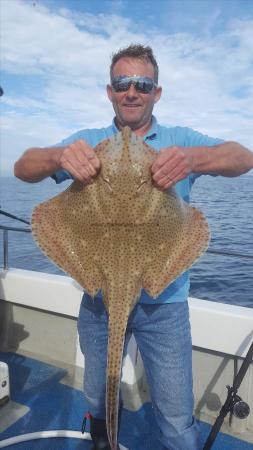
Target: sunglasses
x,y
122,83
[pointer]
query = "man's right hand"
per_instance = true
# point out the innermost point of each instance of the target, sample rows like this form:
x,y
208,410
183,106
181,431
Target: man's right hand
x,y
81,161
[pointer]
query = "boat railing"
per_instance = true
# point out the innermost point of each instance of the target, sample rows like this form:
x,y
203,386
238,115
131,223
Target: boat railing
x,y
6,229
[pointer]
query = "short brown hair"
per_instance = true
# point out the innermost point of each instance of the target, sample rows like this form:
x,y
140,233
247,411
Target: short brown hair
x,y
136,51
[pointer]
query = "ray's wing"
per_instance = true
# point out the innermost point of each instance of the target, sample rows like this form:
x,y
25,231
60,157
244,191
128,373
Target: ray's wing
x,y
72,247
63,228
179,238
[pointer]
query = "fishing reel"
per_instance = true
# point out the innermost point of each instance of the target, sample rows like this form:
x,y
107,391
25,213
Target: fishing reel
x,y
233,404
238,407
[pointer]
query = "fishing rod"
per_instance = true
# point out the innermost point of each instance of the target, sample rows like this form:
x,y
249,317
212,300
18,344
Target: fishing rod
x,y
233,404
12,216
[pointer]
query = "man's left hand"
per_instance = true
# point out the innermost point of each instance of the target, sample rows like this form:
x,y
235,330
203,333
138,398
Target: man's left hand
x,y
172,165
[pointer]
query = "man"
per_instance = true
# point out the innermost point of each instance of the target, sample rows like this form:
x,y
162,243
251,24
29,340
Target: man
x,y
161,326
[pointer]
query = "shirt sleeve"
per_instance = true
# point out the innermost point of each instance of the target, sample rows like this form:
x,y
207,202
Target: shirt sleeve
x,y
192,138
61,175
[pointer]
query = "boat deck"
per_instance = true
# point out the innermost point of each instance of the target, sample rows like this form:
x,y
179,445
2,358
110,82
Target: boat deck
x,y
41,400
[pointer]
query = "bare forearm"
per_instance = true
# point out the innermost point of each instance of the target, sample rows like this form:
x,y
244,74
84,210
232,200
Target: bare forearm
x,y
38,163
173,164
229,159
78,158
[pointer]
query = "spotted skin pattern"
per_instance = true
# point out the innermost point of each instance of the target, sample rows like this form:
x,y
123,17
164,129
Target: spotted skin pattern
x,y
120,234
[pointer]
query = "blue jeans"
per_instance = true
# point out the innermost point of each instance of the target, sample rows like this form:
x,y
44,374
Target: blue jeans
x,y
162,333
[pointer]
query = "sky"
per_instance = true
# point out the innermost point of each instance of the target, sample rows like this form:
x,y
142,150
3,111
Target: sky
x,y
55,57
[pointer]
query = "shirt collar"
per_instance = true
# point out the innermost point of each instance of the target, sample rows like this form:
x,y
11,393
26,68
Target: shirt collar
x,y
150,135
152,132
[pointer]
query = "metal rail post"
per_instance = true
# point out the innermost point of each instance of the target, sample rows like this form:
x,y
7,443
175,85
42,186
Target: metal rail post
x,y
5,242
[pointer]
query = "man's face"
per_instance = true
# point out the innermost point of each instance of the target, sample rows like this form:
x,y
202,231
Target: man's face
x,y
133,108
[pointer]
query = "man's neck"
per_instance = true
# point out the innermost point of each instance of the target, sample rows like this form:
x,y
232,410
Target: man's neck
x,y
141,131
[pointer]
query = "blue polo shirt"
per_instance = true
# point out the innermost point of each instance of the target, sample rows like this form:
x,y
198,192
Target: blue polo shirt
x,y
157,137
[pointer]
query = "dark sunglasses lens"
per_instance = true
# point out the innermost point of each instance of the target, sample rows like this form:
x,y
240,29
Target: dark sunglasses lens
x,y
121,85
144,86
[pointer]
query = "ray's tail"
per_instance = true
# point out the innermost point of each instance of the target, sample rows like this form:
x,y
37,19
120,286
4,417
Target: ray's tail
x,y
116,340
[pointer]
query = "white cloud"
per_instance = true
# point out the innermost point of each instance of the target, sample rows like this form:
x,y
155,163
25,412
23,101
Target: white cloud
x,y
203,77
20,131
38,41
22,102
